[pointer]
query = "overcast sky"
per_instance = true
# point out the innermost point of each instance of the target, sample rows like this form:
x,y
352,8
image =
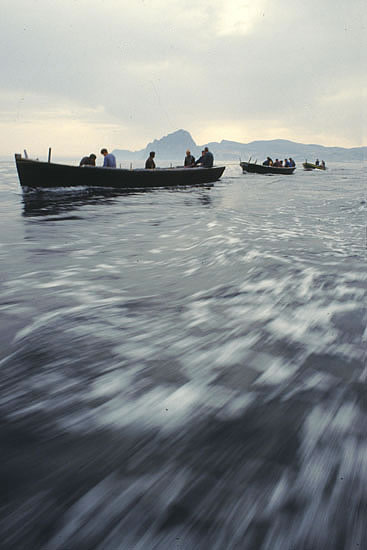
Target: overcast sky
x,y
78,75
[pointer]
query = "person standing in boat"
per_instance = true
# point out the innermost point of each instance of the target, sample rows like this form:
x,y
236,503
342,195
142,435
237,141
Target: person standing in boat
x,y
149,163
317,162
88,161
208,160
189,160
109,159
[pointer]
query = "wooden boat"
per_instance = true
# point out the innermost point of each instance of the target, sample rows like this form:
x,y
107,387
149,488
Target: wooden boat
x,y
261,169
310,166
36,174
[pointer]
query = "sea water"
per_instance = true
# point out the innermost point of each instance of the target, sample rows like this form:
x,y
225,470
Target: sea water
x,y
185,368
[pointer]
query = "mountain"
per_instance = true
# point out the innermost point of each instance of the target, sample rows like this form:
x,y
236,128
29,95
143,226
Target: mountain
x,y
174,145
171,147
280,148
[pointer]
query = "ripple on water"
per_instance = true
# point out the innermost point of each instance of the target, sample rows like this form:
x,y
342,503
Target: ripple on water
x,y
186,369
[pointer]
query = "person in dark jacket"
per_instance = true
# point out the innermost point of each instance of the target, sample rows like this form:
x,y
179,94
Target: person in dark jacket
x,y
208,158
88,161
189,160
200,161
268,162
149,163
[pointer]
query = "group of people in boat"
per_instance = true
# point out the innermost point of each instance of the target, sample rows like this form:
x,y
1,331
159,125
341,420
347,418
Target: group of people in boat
x,y
287,163
206,160
109,160
318,163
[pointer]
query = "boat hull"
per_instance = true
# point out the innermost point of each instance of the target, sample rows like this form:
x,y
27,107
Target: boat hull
x,y
261,169
35,174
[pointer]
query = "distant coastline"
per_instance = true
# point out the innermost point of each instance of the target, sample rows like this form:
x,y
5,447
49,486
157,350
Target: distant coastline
x,y
171,148
174,145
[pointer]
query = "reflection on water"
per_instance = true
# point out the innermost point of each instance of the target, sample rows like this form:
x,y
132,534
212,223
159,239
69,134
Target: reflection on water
x,y
45,203
186,368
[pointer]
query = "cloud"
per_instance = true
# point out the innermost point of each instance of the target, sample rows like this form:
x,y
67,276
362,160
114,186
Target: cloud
x,y
140,70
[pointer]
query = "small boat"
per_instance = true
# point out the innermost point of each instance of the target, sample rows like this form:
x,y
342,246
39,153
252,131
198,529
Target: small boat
x,y
310,166
35,174
253,167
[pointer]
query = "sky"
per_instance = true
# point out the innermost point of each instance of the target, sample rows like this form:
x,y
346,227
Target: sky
x,y
79,75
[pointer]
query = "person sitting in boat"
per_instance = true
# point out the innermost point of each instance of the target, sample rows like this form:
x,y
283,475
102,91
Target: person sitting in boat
x,y
268,162
277,163
149,163
189,160
200,161
292,164
109,159
208,160
88,161
317,162
286,163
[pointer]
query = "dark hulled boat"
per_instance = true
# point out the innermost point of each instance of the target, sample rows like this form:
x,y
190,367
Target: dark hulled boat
x,y
310,166
37,174
261,169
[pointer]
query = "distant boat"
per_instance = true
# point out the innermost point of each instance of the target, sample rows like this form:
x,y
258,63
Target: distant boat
x,y
261,169
310,166
37,174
